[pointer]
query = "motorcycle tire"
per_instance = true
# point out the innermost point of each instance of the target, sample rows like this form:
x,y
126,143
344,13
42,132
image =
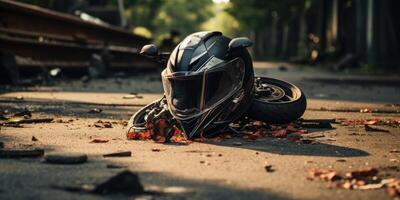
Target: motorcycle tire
x,y
276,101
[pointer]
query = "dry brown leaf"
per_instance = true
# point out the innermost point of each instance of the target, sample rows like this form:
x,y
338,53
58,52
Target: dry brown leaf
x,y
362,173
99,141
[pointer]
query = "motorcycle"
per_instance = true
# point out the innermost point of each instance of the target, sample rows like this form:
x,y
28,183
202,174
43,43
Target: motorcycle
x,y
274,101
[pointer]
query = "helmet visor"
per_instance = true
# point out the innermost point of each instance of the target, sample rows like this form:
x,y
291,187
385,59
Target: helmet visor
x,y
190,94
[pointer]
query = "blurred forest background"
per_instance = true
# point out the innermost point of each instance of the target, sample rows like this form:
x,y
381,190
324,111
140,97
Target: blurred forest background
x,y
345,32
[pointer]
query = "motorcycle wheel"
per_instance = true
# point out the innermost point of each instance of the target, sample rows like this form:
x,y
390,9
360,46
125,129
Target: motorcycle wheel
x,y
276,101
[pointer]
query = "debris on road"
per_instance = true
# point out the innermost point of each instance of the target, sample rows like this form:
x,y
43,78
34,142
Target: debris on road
x,y
393,188
132,96
269,168
65,158
34,139
103,124
251,130
394,151
368,128
363,173
363,179
31,121
119,154
19,153
237,144
160,131
113,166
126,182
355,122
24,117
26,114
157,149
95,110
333,121
63,121
366,110
324,174
99,141
320,125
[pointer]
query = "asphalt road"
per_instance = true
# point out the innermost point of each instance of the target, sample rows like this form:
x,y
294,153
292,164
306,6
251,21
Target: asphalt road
x,y
210,170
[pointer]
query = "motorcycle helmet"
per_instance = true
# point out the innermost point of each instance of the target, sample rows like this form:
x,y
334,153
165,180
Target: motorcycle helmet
x,y
208,82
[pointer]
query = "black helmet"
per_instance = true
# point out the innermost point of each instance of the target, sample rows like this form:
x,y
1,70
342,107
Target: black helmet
x,y
208,82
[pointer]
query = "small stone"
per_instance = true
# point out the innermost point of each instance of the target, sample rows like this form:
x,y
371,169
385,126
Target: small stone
x,y
67,158
112,166
268,168
237,144
125,182
19,153
34,139
119,154
157,149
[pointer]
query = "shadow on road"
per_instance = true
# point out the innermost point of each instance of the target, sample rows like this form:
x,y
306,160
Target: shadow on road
x,y
285,147
48,180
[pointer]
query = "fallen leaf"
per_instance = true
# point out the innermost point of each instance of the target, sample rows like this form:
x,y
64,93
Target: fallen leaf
x,y
394,151
103,124
362,173
326,175
281,133
393,187
99,141
268,168
157,149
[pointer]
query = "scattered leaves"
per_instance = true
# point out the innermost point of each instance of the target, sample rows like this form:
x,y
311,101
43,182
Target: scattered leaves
x,y
363,179
103,124
355,122
160,132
